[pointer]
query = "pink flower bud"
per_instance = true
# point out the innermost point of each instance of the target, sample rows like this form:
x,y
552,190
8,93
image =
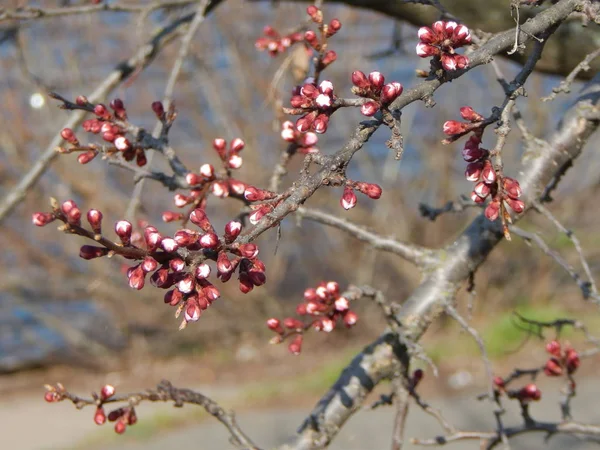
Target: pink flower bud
x,y
209,240
192,310
516,205
426,35
482,189
553,347
426,50
390,92
210,292
295,346
68,135
350,318
94,218
461,61
219,146
293,324
369,109
488,174
202,271
311,38
99,416
359,79
187,284
123,229
169,245
193,179
245,283
315,13
552,368
320,123
473,154
301,309
158,109
348,199
207,171
136,277
310,294
86,157
333,287
173,297
275,325
170,216
512,187
473,171
237,187
249,251
100,110
449,62
305,122
452,127
492,211
81,100
461,36
232,230
107,392
198,217
323,101
122,143
253,194
153,238
326,88
476,198
371,190
329,58
181,200
530,392
572,360
469,114
334,26
90,252
342,304
237,145
160,278
219,189
235,161
224,266
42,219
185,238
377,80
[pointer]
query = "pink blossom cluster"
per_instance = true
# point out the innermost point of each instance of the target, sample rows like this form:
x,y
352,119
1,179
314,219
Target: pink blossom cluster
x,y
349,199
374,88
489,182
322,308
561,359
274,43
441,41
177,263
316,104
304,142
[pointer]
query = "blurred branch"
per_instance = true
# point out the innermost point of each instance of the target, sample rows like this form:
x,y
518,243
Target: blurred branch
x,y
29,13
456,206
420,256
491,439
140,60
565,85
585,286
200,14
165,392
586,268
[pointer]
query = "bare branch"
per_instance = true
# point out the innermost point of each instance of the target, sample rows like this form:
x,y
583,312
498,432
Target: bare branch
x,y
565,85
420,256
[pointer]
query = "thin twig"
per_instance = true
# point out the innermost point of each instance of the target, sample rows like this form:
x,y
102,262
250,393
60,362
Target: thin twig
x,y
565,85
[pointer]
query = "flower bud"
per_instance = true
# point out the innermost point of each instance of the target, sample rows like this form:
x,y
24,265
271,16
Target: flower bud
x,y
330,57
359,79
122,143
371,190
235,161
202,271
482,189
552,368
123,229
553,347
42,219
350,318
245,283
100,110
311,38
249,251
68,135
530,392
572,360
369,108
390,92
86,157
492,211
90,252
170,216
334,26
295,346
198,217
99,416
469,114
169,245
274,325
136,277
488,174
158,109
220,189
320,123
176,264
315,13
192,310
426,35
107,392
516,205
348,199
473,171
512,187
209,240
173,297
426,50
293,324
453,128
186,284
377,80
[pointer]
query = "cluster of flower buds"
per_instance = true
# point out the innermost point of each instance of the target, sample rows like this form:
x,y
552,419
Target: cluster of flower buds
x,y
262,202
322,308
349,199
561,360
316,104
525,395
489,183
303,142
319,41
374,88
110,123
274,43
441,42
161,260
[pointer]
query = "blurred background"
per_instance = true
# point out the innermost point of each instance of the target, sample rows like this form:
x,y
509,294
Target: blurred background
x,y
63,318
